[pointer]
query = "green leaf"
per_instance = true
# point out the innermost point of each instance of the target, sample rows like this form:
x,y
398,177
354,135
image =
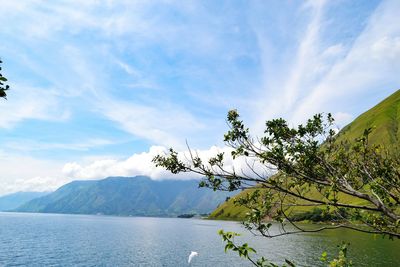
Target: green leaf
x,y
324,256
291,264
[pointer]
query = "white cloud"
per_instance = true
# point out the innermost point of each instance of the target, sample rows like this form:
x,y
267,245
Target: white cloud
x,y
333,51
31,103
342,119
137,164
36,184
127,68
141,164
386,48
24,173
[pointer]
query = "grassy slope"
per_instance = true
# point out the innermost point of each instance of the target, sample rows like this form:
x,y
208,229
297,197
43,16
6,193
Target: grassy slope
x,y
229,211
384,117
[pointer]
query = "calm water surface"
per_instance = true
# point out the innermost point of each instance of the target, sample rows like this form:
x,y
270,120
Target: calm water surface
x,y
80,240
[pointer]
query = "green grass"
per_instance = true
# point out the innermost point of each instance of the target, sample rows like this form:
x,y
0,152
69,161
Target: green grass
x,y
229,211
384,118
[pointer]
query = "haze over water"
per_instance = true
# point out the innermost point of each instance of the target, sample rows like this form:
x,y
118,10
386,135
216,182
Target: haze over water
x,y
84,240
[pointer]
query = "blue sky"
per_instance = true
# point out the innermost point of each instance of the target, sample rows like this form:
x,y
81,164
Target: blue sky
x,y
99,87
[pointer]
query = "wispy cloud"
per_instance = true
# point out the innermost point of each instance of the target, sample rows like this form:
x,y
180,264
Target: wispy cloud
x,y
31,103
370,64
330,76
29,145
166,125
290,66
305,68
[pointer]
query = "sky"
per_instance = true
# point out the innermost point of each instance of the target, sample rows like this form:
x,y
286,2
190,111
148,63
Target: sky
x,y
98,88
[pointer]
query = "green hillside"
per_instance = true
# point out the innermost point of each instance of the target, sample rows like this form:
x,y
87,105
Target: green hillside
x,y
384,118
229,211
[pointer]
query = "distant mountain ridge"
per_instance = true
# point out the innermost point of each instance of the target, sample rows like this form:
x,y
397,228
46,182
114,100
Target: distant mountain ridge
x,y
136,196
14,200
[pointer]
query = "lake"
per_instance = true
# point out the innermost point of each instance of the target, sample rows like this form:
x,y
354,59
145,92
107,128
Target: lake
x,y
85,240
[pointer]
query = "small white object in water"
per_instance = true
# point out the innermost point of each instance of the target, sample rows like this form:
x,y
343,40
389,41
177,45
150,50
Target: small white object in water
x,y
192,254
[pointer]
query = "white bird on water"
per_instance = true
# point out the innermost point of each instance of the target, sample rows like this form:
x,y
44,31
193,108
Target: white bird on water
x,y
192,254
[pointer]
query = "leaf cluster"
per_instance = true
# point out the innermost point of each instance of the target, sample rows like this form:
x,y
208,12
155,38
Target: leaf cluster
x,y
341,260
3,87
245,251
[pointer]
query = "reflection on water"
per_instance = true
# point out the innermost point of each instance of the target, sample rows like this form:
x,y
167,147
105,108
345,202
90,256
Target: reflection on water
x,y
80,240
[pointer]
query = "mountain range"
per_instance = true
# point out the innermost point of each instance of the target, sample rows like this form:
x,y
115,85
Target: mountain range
x,y
128,196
